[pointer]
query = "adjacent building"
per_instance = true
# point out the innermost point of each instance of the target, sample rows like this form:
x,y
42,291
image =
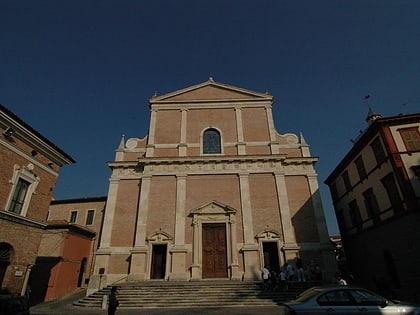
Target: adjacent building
x,y
376,194
29,166
62,262
85,214
213,191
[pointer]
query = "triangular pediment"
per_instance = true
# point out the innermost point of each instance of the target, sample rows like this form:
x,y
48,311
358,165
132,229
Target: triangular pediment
x,y
210,91
212,208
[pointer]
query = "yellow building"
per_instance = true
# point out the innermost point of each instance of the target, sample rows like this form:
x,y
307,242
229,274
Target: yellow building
x,y
213,191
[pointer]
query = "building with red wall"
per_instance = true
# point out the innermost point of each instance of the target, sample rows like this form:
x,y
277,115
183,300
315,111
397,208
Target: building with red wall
x,y
64,251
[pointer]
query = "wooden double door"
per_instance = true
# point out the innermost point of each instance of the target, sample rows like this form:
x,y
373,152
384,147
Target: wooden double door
x,y
214,255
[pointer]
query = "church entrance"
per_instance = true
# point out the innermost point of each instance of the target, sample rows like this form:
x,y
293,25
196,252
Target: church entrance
x,y
214,250
158,261
271,256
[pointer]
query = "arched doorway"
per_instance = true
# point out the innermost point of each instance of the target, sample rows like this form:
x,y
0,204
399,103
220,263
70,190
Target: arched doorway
x,y
81,272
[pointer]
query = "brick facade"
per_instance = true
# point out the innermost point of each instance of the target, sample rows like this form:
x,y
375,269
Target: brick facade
x,y
166,193
29,162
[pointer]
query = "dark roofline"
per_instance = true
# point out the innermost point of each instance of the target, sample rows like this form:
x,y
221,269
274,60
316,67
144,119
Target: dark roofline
x,y
78,200
27,126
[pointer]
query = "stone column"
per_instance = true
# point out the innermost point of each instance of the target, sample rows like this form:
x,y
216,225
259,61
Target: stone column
x,y
138,266
250,248
179,251
290,247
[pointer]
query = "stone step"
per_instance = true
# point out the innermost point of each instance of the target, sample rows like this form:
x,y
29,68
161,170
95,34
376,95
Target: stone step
x,y
193,294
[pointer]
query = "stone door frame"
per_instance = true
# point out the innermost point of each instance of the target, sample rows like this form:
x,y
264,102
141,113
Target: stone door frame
x,y
214,212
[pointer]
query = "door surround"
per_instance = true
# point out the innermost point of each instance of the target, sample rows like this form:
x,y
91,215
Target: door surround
x,y
214,212
158,238
270,236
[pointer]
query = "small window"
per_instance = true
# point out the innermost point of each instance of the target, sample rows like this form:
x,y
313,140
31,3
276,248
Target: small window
x,y
392,191
356,218
378,150
19,195
73,216
346,180
360,168
372,206
89,217
411,138
211,142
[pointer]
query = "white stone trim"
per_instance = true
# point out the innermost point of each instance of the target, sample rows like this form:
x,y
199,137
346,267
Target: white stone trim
x,y
25,173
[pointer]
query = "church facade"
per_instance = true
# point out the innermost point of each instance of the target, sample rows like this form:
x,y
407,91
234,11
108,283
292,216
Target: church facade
x,y
213,191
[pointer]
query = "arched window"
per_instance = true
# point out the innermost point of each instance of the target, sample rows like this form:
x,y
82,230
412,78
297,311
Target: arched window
x,y
211,142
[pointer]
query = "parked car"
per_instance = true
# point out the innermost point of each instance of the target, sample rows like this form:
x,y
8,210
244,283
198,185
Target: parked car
x,y
13,305
346,300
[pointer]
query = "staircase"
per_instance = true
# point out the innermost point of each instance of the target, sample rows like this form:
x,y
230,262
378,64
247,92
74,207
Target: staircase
x,y
159,294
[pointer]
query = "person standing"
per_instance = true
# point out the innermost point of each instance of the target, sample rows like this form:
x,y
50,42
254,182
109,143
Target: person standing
x,y
112,301
283,280
290,274
265,274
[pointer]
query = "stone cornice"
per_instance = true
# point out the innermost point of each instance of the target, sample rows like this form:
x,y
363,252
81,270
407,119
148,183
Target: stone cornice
x,y
13,217
212,104
213,165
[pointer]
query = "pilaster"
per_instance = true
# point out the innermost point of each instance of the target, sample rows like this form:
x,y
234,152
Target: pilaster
x,y
151,137
138,264
182,148
239,130
289,236
140,239
179,251
109,214
250,247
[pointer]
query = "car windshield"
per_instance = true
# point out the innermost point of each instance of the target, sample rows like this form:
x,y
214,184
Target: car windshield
x,y
308,294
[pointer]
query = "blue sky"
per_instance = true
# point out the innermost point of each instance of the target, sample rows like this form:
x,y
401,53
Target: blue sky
x,y
82,72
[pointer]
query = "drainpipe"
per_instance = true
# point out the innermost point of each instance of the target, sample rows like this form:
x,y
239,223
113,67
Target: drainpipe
x,y
26,280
